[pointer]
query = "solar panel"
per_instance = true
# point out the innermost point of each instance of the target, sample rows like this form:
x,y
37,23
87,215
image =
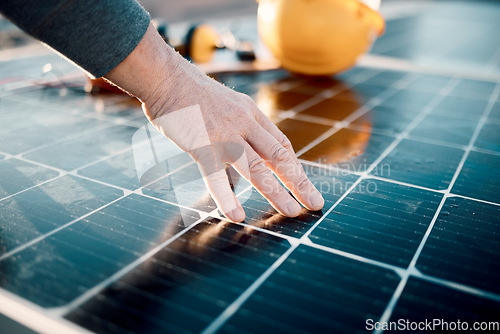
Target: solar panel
x,y
91,239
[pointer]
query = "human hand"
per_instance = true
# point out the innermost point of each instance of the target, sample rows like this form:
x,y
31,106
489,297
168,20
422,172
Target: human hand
x,y
218,126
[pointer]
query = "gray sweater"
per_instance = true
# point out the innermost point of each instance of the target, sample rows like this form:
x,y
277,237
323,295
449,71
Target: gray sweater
x,y
95,34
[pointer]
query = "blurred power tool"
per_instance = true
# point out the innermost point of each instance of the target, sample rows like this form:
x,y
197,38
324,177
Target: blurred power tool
x,y
198,45
202,41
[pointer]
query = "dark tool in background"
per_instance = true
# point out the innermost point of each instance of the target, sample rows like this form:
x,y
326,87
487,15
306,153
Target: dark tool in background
x,y
199,45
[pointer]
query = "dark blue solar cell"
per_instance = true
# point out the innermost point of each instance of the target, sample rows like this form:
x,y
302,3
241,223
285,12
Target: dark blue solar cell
x,y
186,285
421,164
62,266
460,107
379,220
42,209
314,291
463,245
18,175
445,129
390,120
85,149
489,138
403,98
494,115
422,302
120,170
478,177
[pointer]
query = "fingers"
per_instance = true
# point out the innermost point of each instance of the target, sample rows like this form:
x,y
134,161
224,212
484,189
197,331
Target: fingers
x,y
253,168
215,177
220,189
270,127
263,148
286,167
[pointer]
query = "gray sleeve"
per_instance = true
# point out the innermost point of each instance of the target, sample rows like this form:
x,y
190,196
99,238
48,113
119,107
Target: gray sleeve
x,y
95,34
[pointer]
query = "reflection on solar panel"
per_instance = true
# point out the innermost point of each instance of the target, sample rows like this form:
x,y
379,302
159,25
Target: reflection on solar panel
x,y
410,230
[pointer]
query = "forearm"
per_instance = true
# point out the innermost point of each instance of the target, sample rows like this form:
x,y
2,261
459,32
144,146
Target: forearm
x,y
162,79
151,67
157,75
96,35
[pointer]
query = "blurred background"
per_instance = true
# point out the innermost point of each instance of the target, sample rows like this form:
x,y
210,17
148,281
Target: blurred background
x,y
452,35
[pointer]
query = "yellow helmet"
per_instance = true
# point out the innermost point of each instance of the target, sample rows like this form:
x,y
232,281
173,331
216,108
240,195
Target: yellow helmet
x,y
318,37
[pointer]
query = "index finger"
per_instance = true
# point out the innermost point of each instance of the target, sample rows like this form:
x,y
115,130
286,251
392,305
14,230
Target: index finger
x,y
286,167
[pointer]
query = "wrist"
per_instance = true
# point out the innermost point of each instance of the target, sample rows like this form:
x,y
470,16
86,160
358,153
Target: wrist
x,y
148,70
183,85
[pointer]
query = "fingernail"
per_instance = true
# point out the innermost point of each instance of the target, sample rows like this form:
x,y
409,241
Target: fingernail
x,y
236,215
317,200
293,208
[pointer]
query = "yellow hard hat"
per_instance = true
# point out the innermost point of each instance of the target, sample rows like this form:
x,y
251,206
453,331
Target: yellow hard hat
x,y
318,37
